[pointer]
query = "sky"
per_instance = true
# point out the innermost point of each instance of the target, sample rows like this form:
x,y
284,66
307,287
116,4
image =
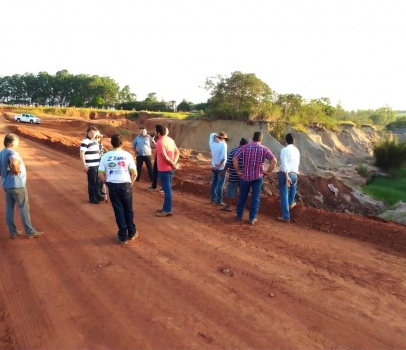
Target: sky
x,y
351,51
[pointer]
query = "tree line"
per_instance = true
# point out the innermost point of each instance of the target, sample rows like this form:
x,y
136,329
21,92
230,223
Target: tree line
x,y
68,90
238,96
246,97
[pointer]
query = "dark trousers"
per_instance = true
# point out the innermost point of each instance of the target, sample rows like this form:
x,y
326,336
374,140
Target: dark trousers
x,y
147,160
121,198
93,183
155,174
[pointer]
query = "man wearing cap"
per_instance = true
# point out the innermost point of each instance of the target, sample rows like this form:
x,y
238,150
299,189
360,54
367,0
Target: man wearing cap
x,y
142,148
287,176
253,157
233,179
218,148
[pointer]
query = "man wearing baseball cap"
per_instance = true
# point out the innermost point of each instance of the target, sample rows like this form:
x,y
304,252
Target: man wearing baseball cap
x,y
218,147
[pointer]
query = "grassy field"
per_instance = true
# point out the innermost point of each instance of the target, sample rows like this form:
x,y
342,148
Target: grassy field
x,y
86,112
64,111
175,115
388,190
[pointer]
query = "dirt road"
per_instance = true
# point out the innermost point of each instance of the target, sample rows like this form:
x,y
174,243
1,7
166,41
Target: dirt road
x,y
287,287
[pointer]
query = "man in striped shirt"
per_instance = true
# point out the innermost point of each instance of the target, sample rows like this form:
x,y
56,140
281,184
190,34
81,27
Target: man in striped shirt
x,y
233,179
253,157
90,157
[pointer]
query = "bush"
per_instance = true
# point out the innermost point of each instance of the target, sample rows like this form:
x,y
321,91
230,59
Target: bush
x,y
132,116
398,123
278,131
389,154
362,170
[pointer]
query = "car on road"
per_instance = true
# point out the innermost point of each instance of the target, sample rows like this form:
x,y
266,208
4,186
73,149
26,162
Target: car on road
x,y
27,118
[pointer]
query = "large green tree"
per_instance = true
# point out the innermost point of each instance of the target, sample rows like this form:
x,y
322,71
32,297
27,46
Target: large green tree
x,y
151,98
240,95
125,95
383,116
184,106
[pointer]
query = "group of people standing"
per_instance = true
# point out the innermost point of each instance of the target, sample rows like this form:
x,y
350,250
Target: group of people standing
x,y
245,165
118,171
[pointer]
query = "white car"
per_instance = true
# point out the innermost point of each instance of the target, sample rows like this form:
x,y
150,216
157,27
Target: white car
x,y
27,118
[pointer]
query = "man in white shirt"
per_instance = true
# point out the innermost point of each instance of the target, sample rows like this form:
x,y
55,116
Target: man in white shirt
x,y
90,158
218,147
118,171
287,176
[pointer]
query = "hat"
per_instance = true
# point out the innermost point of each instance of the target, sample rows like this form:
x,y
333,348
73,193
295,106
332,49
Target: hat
x,y
243,141
222,135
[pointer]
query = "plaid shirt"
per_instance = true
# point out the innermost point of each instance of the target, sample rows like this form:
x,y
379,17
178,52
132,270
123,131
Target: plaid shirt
x,y
253,157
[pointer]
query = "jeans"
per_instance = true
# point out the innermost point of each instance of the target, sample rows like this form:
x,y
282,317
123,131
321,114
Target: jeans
x,y
166,181
93,183
155,174
217,185
245,187
121,198
19,196
140,161
287,194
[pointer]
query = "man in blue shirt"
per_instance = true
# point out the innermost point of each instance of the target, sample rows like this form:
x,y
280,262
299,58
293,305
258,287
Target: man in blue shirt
x,y
218,148
233,179
13,180
142,148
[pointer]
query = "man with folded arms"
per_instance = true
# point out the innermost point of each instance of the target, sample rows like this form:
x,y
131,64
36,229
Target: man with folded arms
x,y
13,179
287,176
167,157
142,148
253,157
218,148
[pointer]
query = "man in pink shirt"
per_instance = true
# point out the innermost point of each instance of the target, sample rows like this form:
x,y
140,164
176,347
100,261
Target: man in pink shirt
x,y
167,157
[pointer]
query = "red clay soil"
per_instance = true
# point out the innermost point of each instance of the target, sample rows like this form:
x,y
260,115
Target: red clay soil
x,y
199,279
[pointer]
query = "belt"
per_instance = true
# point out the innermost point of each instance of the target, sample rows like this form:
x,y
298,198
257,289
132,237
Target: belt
x,y
119,184
290,172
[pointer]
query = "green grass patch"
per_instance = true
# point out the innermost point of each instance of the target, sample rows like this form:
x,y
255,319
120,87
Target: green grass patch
x,y
125,132
176,115
346,123
66,111
388,190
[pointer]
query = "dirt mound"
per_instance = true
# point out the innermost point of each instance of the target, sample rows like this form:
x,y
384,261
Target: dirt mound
x,y
314,191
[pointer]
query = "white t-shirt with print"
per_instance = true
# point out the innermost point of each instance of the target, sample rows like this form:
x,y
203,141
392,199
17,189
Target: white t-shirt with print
x,y
117,165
